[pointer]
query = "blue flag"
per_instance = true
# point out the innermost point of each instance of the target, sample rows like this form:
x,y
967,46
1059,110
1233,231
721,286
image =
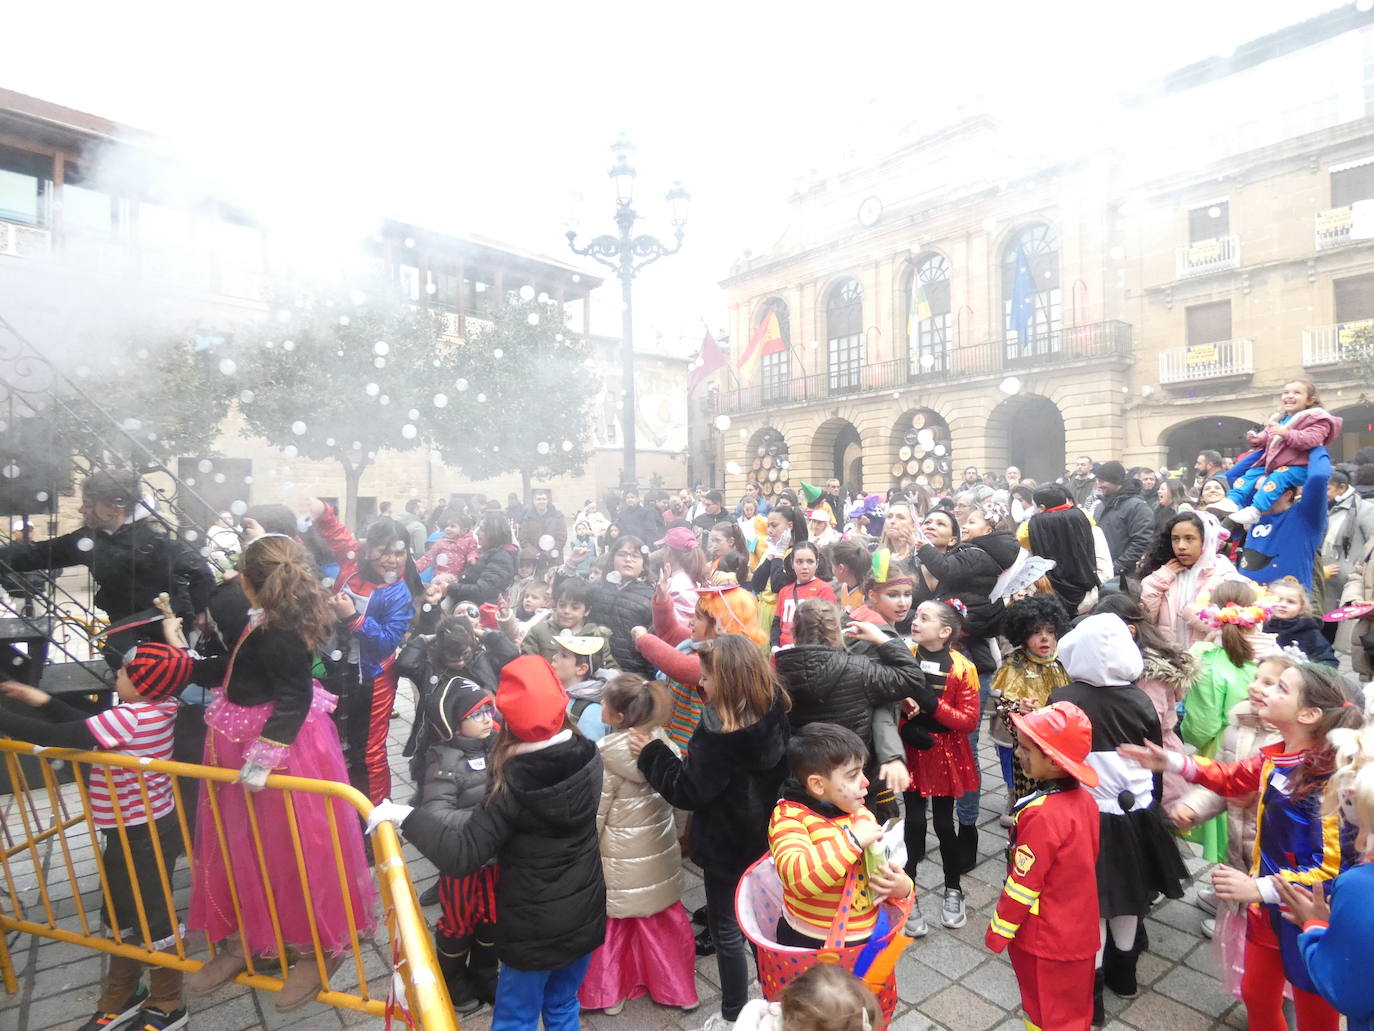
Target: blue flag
x,y
1022,299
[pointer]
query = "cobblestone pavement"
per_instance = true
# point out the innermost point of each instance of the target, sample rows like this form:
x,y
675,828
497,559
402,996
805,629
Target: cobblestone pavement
x,y
946,980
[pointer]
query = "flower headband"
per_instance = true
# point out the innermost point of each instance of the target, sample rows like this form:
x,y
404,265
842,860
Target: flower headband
x,y
1234,614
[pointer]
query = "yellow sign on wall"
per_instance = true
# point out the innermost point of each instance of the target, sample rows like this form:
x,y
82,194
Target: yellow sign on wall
x,y
1200,354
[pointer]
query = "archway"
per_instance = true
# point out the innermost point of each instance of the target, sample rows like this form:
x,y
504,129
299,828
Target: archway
x,y
922,451
1358,431
769,463
1033,430
1184,442
837,451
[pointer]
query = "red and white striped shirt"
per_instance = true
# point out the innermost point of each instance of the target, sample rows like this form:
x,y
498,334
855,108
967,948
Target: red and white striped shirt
x,y
141,729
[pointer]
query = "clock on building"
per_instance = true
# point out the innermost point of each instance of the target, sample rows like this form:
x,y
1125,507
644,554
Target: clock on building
x,y
870,210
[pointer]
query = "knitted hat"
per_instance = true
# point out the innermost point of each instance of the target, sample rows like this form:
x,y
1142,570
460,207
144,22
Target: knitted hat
x,y
455,700
1112,472
530,698
158,670
1063,732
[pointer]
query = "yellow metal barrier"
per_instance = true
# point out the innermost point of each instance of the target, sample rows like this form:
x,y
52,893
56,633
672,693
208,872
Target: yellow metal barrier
x,y
56,829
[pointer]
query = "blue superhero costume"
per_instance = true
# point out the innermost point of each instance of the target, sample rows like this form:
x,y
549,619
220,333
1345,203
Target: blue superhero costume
x,y
1288,540
1337,955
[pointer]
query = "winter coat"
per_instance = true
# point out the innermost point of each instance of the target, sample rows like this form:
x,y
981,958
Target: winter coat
x,y
534,527
1304,633
1081,489
455,778
1360,588
729,781
1303,431
1166,683
130,567
538,640
947,768
449,555
622,607
969,572
639,843
1244,736
486,579
1128,524
829,685
540,828
1349,524
1286,543
1160,596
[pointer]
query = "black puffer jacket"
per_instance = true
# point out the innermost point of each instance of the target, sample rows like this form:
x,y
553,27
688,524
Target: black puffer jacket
x,y
541,830
455,778
729,782
1128,524
622,607
969,571
830,685
488,578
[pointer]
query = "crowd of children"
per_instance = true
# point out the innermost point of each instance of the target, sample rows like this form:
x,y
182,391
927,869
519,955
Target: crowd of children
x,y
710,701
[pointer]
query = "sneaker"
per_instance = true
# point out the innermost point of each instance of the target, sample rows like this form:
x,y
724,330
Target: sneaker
x,y
952,913
1209,927
430,896
690,1007
916,926
1247,516
717,1022
1207,898
612,1011
153,1019
109,1020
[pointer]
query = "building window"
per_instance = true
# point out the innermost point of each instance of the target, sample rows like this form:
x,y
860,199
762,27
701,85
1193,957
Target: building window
x,y
1209,323
773,337
1352,184
25,187
1030,293
1209,222
1354,298
928,316
844,319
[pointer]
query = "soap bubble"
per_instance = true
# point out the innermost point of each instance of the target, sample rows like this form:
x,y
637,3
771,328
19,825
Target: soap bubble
x,y
336,655
413,414
298,428
379,363
85,544
227,366
527,292
246,397
481,398
11,471
42,495
722,422
328,441
290,451
219,477
385,399
372,390
733,468
288,345
238,507
542,447
441,559
440,400
343,321
567,445
381,347
613,577
205,465
460,383
408,431
498,353
532,318
191,535
546,542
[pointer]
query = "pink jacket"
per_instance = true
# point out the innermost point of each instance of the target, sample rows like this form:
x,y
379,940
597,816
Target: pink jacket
x,y
1160,593
1312,427
457,552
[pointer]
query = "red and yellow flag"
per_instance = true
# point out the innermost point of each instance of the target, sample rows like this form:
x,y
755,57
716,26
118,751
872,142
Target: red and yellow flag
x,y
767,339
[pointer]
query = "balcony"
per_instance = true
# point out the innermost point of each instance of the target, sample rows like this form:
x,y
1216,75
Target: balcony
x,y
1333,227
1207,256
1197,363
21,241
1099,340
1325,346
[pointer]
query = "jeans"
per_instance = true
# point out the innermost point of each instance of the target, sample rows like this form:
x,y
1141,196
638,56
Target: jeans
x,y
523,995
967,806
732,957
1005,757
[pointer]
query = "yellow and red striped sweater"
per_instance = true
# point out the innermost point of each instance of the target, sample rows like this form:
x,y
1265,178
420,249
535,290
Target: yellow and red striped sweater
x,y
813,855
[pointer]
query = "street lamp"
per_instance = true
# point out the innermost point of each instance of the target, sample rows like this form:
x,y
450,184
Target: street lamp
x,y
627,254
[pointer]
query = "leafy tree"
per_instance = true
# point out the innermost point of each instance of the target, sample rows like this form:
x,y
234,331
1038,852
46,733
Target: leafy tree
x,y
329,378
168,395
1357,357
519,386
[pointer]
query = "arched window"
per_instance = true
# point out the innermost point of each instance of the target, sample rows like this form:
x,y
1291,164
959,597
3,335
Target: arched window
x,y
1030,293
773,328
928,316
844,334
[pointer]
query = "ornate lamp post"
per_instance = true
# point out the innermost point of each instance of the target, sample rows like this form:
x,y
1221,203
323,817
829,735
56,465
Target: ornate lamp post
x,y
627,254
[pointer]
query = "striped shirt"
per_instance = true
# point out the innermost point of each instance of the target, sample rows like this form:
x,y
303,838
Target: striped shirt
x,y
684,715
813,856
142,729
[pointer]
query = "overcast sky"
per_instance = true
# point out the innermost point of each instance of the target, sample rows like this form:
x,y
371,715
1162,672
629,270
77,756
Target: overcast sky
x,y
497,117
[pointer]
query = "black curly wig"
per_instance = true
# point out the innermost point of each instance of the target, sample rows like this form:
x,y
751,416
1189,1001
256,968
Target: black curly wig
x,y
1028,615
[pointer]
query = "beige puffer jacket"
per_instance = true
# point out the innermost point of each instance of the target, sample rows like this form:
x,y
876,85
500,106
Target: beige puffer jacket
x,y
1245,734
639,840
1360,587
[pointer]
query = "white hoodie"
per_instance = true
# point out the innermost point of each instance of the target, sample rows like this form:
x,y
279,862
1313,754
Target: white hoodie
x,y
1101,651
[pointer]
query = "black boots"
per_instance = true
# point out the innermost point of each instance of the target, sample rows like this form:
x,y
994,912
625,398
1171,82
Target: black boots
x,y
1099,1013
1118,965
968,847
453,956
483,966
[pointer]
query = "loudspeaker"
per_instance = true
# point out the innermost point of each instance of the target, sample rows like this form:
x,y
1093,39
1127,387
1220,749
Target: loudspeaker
x,y
32,466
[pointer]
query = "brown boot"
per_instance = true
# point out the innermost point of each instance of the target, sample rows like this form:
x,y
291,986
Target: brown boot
x,y
303,983
227,964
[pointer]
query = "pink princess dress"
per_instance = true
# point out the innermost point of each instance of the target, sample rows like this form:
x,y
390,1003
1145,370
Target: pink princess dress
x,y
269,710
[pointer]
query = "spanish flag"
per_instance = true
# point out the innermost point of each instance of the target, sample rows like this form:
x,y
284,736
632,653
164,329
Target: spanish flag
x,y
767,339
920,309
